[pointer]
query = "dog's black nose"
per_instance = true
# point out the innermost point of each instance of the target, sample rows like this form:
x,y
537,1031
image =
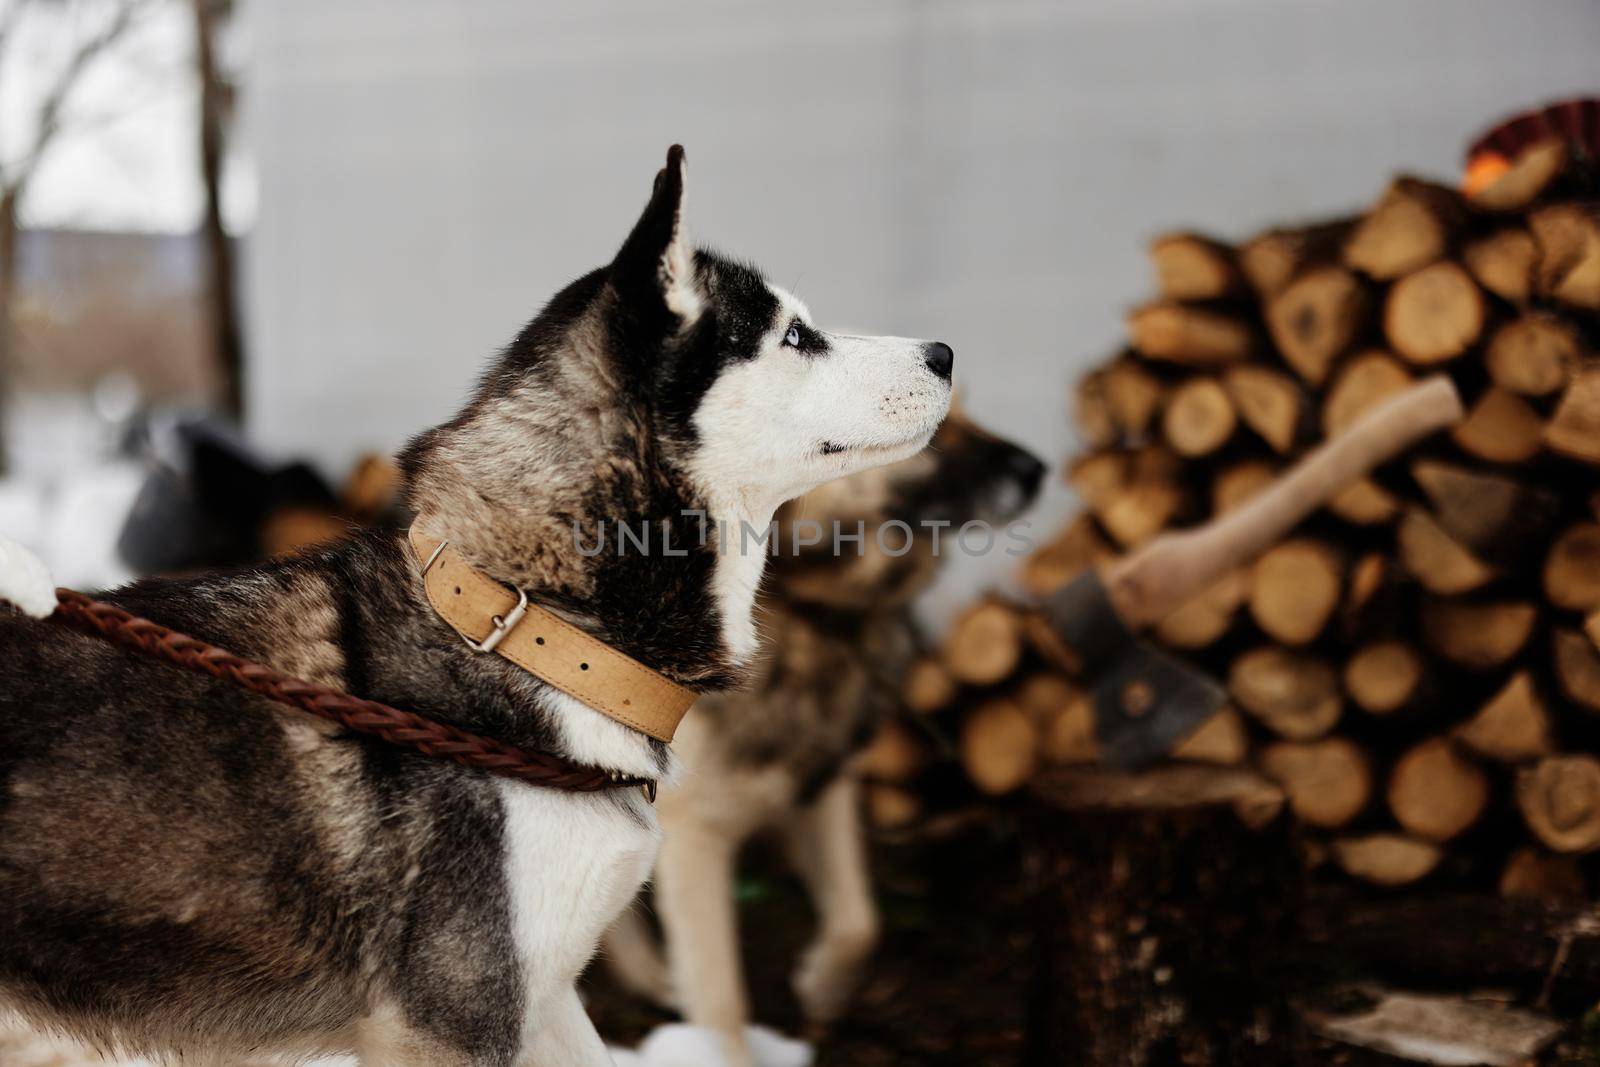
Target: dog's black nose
x,y
940,356
1028,471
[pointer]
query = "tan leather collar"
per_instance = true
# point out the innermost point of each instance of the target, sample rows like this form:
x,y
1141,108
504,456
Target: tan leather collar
x,y
493,618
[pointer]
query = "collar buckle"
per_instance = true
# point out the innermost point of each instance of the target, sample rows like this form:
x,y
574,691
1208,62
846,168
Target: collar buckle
x,y
503,625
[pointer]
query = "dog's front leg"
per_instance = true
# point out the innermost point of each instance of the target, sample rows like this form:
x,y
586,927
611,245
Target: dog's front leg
x,y
567,1039
634,957
826,845
694,894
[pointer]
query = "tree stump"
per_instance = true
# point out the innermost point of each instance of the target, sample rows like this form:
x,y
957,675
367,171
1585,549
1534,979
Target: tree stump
x,y
1162,919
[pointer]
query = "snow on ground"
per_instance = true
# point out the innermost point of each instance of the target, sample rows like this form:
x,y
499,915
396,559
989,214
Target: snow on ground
x,y
24,579
66,494
72,523
680,1045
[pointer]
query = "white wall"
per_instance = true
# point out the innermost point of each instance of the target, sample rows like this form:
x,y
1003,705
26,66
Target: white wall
x,y
983,172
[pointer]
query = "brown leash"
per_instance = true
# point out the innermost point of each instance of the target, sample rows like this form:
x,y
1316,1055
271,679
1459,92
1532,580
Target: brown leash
x,y
406,729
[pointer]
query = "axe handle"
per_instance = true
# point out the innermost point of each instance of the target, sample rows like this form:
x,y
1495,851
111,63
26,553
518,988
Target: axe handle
x,y
1161,577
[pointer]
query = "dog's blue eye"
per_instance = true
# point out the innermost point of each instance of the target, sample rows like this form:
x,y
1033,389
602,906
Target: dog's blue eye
x,y
792,338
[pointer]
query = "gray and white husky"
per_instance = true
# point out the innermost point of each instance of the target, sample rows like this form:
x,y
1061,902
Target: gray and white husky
x,y
190,870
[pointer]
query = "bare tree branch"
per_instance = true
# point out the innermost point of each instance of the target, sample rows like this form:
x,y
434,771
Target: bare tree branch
x,y
49,118
9,19
50,109
215,98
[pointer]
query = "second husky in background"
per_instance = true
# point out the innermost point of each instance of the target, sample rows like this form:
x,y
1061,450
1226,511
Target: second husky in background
x,y
838,634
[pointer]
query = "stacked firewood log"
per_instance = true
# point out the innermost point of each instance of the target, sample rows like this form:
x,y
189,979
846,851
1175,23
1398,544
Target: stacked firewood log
x,y
1417,666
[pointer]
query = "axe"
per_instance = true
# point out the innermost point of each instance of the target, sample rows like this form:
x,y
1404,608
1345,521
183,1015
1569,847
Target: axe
x,y
1146,701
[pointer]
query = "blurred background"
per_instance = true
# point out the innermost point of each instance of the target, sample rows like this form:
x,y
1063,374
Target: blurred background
x,y
248,247
323,218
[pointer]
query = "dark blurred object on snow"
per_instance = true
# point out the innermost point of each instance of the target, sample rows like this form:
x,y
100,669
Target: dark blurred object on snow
x,y
208,497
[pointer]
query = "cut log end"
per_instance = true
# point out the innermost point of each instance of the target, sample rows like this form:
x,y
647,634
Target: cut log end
x,y
999,749
1572,568
1295,589
1071,737
1568,267
1533,355
1477,636
1435,793
1503,263
894,756
1361,385
1132,397
984,645
892,808
1271,261
1501,427
1199,418
1239,482
1328,782
1387,859
1560,800
928,687
1408,229
1383,677
1177,333
1315,318
1294,694
1365,503
1577,668
1192,267
1133,494
1268,402
1435,559
1513,727
1574,431
1434,314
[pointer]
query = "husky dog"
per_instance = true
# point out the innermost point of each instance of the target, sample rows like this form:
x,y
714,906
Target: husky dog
x,y
188,868
777,755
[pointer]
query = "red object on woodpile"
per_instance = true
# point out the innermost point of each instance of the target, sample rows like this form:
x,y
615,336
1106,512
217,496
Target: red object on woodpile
x,y
1574,122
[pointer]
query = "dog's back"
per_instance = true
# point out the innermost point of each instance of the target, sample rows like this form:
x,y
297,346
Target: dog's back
x,y
158,825
113,767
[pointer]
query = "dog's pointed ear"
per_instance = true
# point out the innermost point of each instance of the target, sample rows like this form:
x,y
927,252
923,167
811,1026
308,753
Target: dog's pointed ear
x,y
656,263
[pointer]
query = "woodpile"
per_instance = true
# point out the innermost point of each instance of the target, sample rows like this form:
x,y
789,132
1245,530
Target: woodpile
x,y
1416,667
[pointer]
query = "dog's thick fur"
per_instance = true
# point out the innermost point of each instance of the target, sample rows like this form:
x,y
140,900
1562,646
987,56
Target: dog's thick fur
x,y
187,868
776,756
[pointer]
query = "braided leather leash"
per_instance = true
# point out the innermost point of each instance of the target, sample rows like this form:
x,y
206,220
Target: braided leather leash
x,y
406,729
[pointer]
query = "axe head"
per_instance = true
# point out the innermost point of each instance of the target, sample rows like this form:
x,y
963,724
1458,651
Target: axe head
x,y
1145,701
